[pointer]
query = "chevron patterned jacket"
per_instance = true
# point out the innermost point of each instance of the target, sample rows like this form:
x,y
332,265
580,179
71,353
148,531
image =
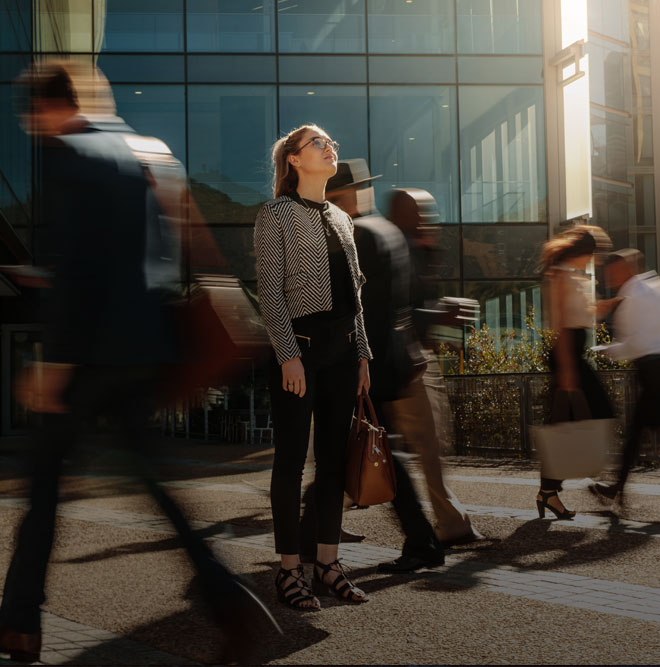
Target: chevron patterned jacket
x,y
293,272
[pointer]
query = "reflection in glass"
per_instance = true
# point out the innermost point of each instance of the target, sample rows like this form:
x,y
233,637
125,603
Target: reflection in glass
x,y
502,154
614,210
65,27
143,25
413,142
425,26
477,69
609,17
499,26
231,69
340,110
611,145
155,111
321,26
127,68
231,129
15,26
322,69
506,305
238,26
645,201
414,69
609,74
502,251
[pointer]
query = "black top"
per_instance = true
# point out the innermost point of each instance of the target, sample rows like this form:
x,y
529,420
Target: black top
x,y
343,299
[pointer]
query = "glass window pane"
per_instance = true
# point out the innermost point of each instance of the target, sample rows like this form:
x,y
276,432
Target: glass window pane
x,y
614,210
340,110
611,145
16,161
230,69
609,74
159,69
155,111
504,305
63,27
645,201
143,25
477,69
236,26
15,26
414,69
231,130
609,17
323,69
321,26
502,251
11,65
499,26
424,26
413,142
503,176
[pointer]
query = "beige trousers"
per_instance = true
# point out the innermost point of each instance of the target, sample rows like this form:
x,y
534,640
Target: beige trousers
x,y
422,416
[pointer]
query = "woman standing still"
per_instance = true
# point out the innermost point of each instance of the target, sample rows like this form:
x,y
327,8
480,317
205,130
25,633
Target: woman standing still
x,y
309,285
572,311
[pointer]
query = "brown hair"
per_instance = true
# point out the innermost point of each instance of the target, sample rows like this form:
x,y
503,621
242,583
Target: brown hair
x,y
285,176
574,242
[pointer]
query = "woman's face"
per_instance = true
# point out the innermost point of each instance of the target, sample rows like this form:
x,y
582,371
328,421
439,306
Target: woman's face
x,y
316,155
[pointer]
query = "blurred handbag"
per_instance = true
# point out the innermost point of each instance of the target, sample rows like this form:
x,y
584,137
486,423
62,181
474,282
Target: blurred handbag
x,y
370,476
572,449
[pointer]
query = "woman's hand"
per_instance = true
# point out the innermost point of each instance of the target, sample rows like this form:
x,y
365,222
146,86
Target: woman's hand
x,y
293,377
364,382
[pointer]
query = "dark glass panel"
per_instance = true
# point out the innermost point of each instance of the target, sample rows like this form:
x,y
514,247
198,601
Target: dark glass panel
x,y
477,69
614,211
15,25
323,69
237,26
423,26
142,69
321,26
340,110
499,26
232,69
502,251
15,160
502,154
155,110
413,142
412,69
611,145
143,25
11,65
231,130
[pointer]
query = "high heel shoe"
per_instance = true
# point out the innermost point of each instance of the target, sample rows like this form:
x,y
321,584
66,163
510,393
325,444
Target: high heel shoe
x,y
542,504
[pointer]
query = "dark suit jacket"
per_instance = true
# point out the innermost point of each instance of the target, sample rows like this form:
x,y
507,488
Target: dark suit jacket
x,y
93,211
385,262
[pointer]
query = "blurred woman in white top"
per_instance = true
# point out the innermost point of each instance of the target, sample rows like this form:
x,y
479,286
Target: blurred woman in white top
x,y
572,311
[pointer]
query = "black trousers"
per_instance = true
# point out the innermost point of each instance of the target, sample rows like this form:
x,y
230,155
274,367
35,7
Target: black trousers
x,y
647,411
594,392
329,355
125,394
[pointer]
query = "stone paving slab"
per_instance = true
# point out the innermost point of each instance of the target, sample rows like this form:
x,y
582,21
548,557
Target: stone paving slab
x,y
67,642
607,597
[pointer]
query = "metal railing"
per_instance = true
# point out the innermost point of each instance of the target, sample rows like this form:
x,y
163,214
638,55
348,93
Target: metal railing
x,y
492,413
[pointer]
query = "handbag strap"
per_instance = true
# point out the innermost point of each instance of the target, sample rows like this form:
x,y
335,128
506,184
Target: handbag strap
x,y
364,398
565,400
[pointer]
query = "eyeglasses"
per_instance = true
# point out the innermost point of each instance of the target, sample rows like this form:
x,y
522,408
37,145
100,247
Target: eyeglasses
x,y
321,143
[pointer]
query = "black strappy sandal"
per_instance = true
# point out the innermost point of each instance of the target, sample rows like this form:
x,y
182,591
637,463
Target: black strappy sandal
x,y
297,591
341,587
543,504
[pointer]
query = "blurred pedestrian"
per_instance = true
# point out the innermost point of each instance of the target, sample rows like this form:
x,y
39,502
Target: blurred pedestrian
x,y
309,283
637,337
572,311
108,338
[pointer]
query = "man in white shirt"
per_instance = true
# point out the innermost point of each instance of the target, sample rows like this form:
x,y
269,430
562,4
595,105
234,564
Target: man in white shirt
x,y
637,337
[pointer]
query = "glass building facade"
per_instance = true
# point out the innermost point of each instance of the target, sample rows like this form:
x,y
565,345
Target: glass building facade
x,y
444,95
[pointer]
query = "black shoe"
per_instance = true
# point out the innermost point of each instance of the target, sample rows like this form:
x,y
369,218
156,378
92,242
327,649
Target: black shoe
x,y
468,538
543,504
346,536
605,492
406,563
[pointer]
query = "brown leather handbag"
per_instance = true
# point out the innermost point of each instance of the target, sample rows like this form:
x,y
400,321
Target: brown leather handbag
x,y
369,473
